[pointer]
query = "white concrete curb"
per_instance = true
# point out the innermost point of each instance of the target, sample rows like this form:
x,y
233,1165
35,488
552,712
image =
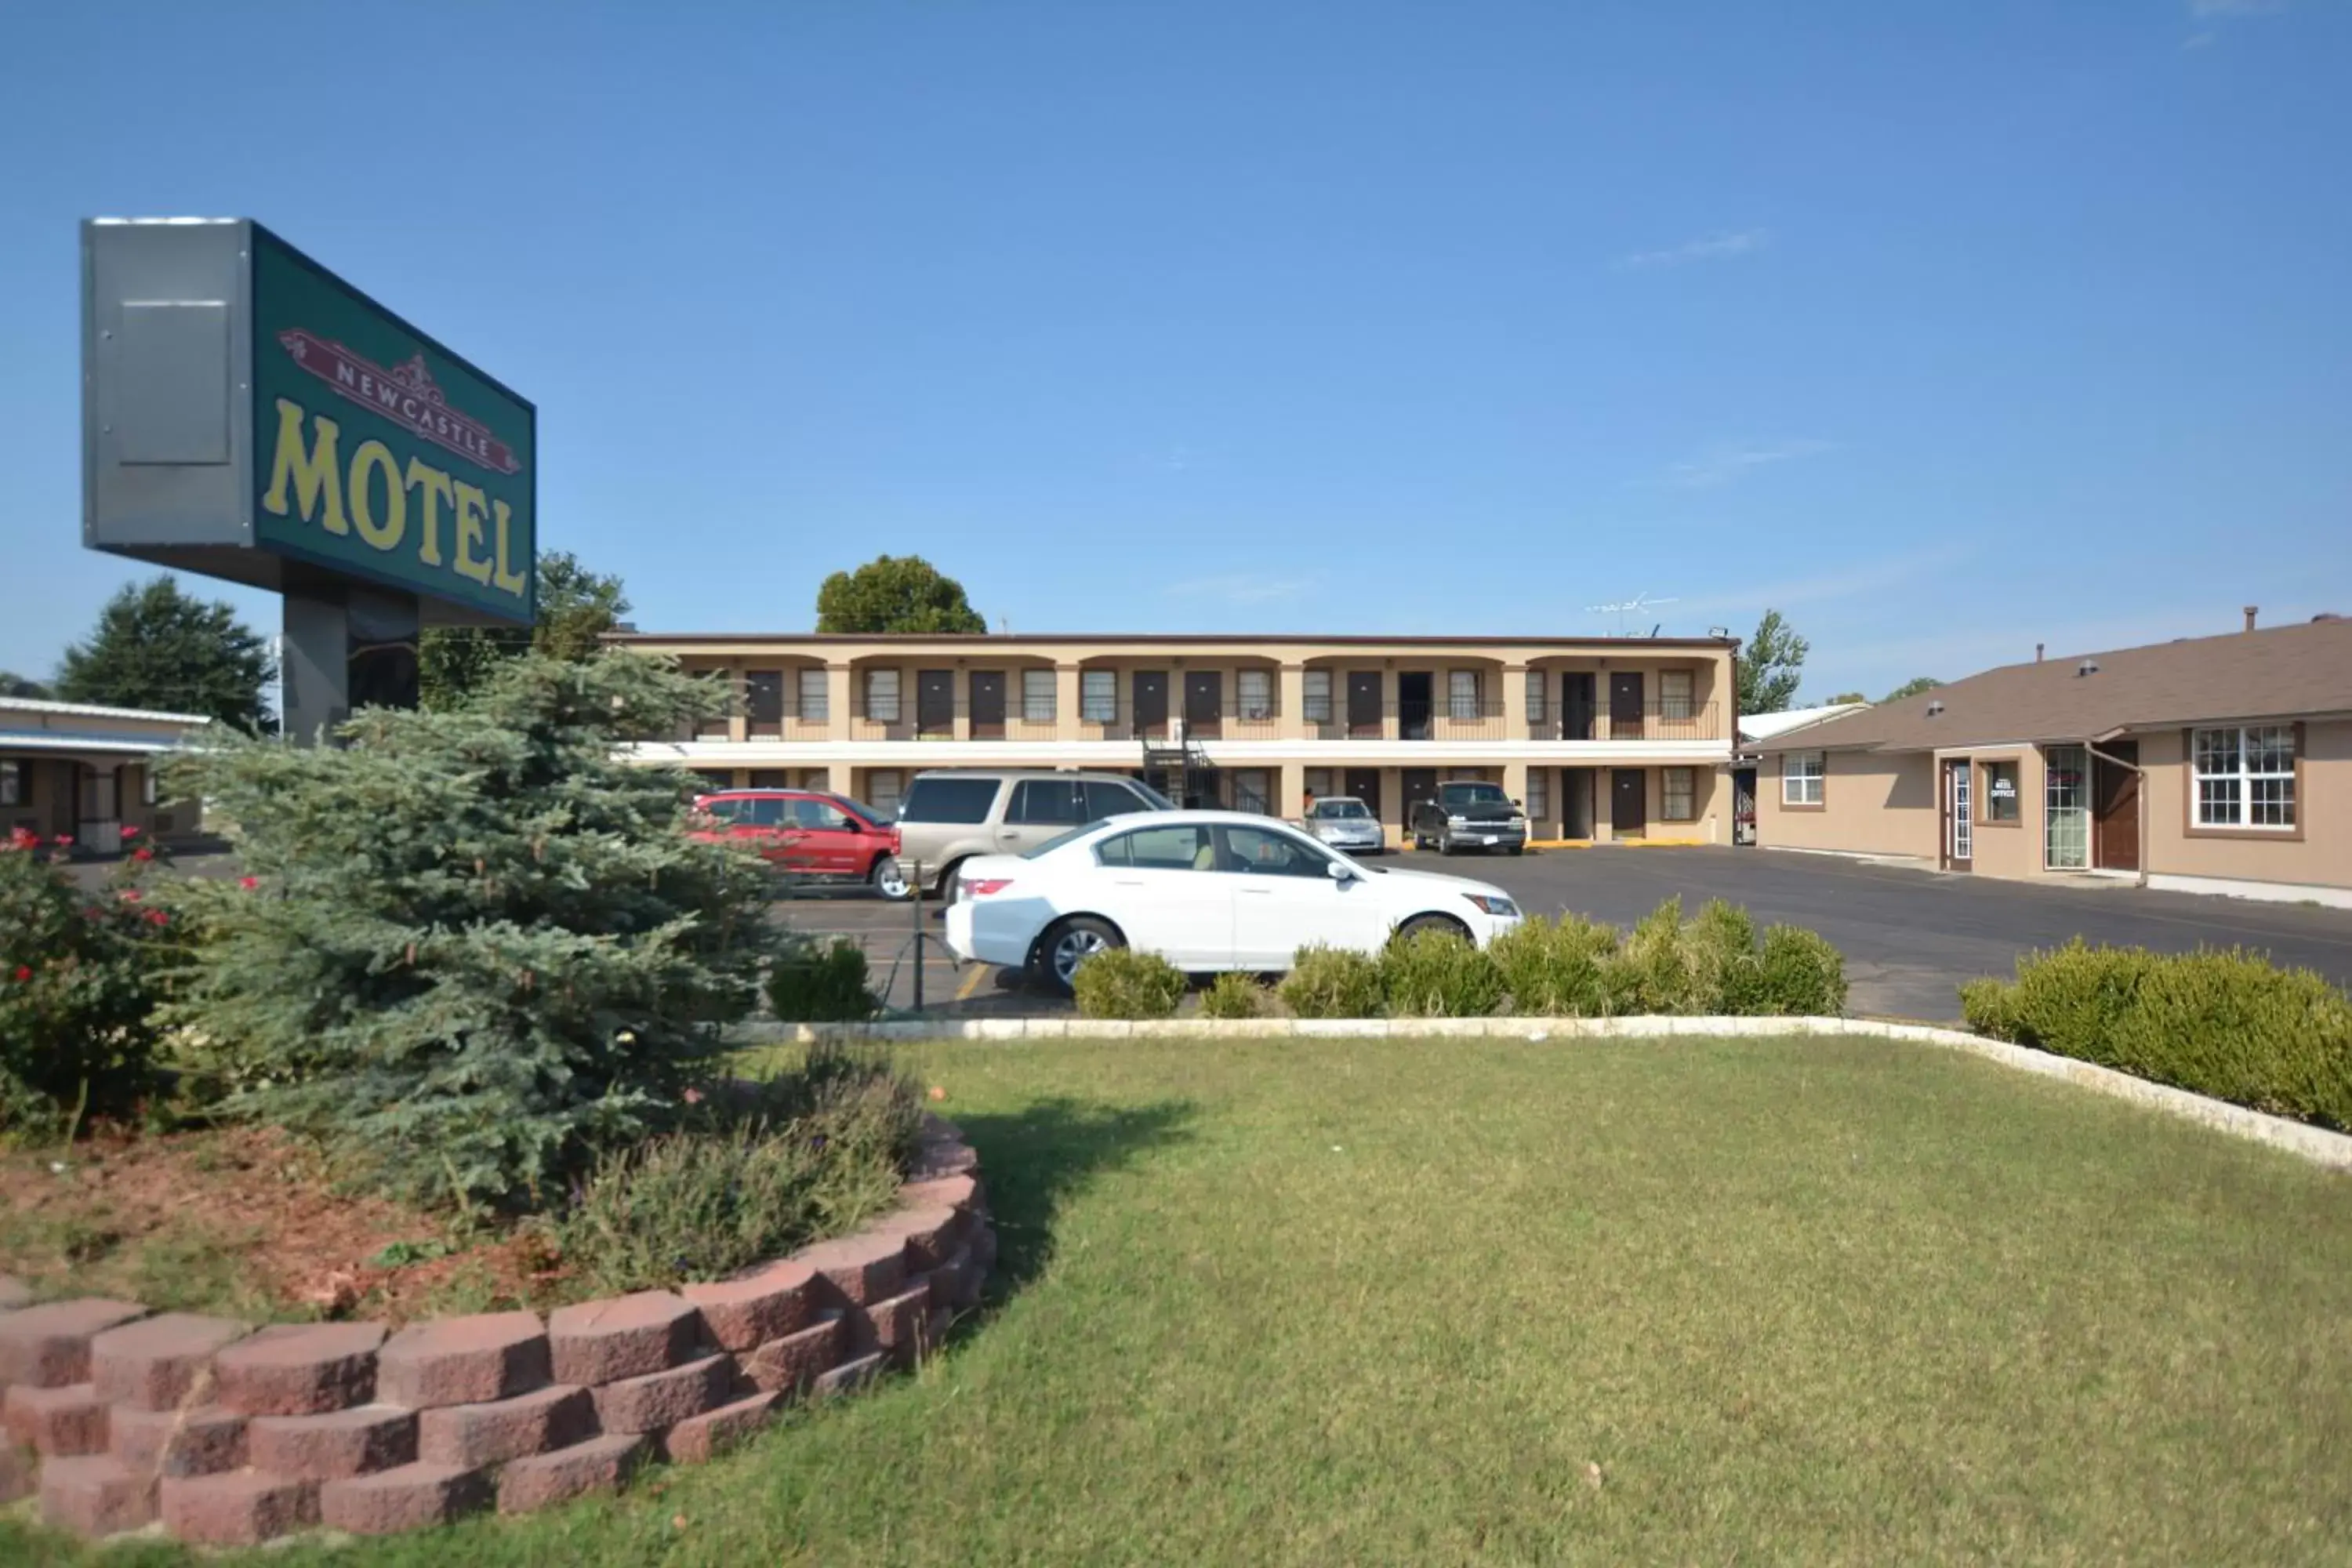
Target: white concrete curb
x,y
2313,1143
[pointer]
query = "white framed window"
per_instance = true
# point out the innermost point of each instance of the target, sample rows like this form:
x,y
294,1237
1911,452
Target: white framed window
x,y
2065,809
882,695
1536,696
1253,792
1674,699
1678,794
1255,690
12,783
1317,697
1462,694
2245,777
815,701
1099,696
1801,778
1037,696
1539,794
883,787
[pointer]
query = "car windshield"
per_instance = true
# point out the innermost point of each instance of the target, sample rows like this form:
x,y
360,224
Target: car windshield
x,y
1340,811
1059,840
873,813
1472,794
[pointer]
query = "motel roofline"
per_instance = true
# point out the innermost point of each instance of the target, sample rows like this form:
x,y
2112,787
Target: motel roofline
x,y
1152,640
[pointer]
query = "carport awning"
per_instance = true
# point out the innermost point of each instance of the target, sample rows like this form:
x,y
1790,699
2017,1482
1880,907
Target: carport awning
x,y
67,743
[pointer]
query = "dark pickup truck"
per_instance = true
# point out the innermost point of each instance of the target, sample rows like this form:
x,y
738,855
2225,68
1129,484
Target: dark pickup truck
x,y
1467,815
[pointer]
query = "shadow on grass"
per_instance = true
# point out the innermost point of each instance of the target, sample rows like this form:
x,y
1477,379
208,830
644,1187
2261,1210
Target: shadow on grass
x,y
1034,1160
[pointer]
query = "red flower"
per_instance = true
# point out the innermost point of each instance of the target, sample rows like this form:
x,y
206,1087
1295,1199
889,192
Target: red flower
x,y
143,853
132,895
22,838
157,917
63,840
129,830
248,883
24,972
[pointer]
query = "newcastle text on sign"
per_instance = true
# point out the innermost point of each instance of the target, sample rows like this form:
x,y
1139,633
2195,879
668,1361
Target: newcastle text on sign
x,y
405,392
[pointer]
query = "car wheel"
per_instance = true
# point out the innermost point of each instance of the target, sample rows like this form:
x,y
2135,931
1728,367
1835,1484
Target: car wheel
x,y
1443,924
889,879
1518,848
948,880
1445,843
1068,944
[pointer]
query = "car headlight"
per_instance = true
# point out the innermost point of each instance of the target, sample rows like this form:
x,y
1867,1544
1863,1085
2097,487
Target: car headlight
x,y
1493,904
1458,822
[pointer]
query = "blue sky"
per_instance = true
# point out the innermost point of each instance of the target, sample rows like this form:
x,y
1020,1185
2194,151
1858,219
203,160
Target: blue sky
x,y
1947,329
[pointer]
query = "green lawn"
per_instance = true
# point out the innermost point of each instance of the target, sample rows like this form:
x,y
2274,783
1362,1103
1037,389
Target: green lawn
x,y
1363,1301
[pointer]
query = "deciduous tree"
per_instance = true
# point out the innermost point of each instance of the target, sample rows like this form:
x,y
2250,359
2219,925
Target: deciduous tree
x,y
1770,665
1912,688
576,609
895,593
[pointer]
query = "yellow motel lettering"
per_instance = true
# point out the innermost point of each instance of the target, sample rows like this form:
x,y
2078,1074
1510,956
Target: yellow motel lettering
x,y
389,506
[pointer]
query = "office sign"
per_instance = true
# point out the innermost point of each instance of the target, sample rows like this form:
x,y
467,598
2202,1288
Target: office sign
x,y
250,415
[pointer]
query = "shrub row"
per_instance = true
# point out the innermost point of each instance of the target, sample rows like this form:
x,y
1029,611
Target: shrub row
x,y
1571,967
2228,1024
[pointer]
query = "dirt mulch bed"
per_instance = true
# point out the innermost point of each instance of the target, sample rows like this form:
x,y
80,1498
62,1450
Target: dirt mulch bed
x,y
245,1222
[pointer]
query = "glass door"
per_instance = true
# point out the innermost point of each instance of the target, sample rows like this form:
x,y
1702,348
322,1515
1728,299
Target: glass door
x,y
2065,809
1960,844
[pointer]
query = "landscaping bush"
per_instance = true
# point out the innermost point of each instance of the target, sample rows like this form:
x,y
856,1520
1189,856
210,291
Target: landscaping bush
x,y
1713,964
1651,971
1122,982
78,986
1232,994
1797,974
1332,983
1557,968
1438,974
810,983
776,1166
1719,956
475,948
2231,1025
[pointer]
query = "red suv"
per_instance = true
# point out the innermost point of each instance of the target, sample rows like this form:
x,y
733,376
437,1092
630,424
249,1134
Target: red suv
x,y
810,832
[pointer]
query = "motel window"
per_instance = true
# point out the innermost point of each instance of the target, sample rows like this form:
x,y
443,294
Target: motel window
x,y
1999,801
1801,778
1252,792
1037,696
883,787
1317,695
1462,694
816,704
1535,696
12,783
1255,688
882,696
1539,794
1678,794
763,700
770,778
1099,696
1674,699
2065,809
2245,777
1318,782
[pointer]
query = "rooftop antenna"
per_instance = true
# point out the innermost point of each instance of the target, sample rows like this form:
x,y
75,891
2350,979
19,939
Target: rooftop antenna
x,y
1633,607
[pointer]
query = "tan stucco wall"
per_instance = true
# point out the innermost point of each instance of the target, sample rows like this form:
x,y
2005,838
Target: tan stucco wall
x,y
1871,804
2322,857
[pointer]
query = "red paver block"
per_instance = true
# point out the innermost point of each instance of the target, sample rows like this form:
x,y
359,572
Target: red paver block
x,y
745,1312
943,1320
865,1267
59,1421
468,1435
244,1507
202,1441
299,1369
18,1474
13,1293
97,1496
355,1442
947,1279
947,1157
849,1377
629,1336
410,1498
601,1464
792,1363
155,1363
662,1399
698,1438
961,1192
464,1360
933,1232
49,1346
898,1324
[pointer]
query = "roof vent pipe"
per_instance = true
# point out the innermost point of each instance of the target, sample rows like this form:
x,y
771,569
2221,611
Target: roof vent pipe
x,y
2037,652
2088,667
2252,611
1934,709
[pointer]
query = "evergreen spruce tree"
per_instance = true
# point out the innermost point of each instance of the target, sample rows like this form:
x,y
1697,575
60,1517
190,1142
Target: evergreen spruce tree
x,y
155,647
472,945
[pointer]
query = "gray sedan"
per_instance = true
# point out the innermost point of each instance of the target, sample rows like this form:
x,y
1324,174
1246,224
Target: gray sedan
x,y
1346,824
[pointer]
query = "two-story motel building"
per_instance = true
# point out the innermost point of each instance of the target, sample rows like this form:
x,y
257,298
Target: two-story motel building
x,y
1602,738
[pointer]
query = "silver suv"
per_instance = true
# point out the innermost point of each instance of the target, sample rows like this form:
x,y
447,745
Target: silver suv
x,y
952,813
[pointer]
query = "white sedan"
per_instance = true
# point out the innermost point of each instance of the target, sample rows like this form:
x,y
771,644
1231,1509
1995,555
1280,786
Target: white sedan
x,y
1206,890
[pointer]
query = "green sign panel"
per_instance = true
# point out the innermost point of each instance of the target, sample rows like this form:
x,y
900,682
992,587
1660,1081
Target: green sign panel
x,y
378,454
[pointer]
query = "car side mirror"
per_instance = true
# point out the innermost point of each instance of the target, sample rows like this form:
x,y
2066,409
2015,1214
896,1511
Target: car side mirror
x,y
1338,870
